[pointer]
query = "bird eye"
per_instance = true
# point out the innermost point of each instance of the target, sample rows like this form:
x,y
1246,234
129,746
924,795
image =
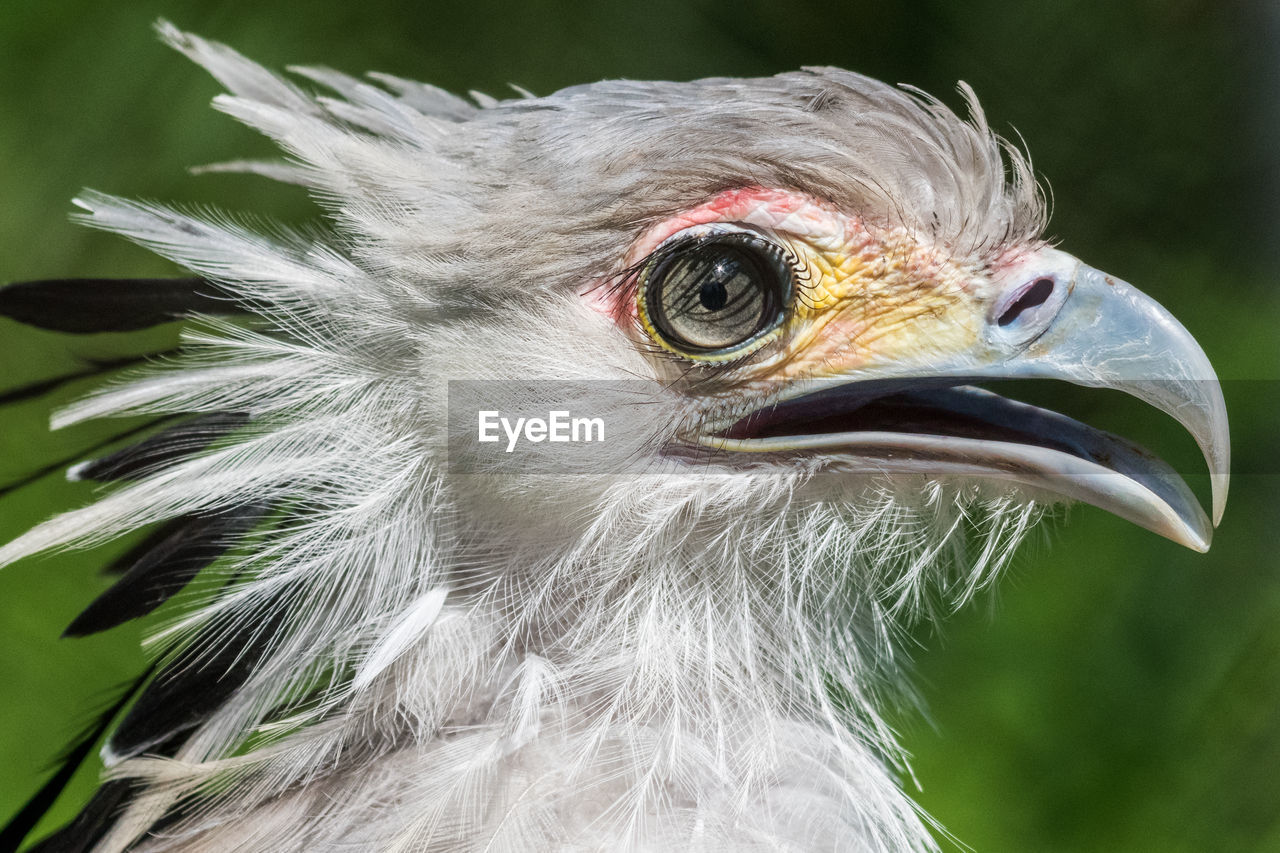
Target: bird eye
x,y
715,297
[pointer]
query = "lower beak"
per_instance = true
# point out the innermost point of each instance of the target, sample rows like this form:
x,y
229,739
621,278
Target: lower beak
x,y
1097,331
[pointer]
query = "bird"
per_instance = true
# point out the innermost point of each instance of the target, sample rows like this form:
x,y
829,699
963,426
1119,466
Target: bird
x,y
407,607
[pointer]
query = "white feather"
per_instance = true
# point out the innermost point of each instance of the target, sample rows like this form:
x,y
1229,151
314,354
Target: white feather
x,y
410,627
635,660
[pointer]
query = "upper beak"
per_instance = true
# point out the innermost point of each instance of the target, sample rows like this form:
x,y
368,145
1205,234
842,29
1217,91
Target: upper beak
x,y
1092,330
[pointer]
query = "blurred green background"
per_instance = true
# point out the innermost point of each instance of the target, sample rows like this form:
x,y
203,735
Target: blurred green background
x,y
1116,693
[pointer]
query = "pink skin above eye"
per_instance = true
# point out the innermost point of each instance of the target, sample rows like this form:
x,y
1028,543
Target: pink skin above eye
x,y
818,223
792,213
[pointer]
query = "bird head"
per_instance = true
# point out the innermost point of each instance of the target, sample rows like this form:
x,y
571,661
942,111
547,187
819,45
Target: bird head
x,y
779,297
787,289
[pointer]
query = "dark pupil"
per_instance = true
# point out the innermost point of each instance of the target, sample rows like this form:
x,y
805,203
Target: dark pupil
x,y
713,295
717,292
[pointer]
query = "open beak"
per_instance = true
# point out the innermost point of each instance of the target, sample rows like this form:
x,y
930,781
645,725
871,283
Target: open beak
x,y
1082,326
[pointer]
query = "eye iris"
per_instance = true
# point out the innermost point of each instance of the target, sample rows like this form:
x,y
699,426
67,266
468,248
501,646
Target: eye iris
x,y
708,294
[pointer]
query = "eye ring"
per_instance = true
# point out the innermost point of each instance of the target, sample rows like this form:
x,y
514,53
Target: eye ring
x,y
715,297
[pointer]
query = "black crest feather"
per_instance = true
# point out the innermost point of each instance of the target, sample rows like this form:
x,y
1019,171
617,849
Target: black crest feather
x,y
172,557
198,680
169,445
88,305
75,836
93,821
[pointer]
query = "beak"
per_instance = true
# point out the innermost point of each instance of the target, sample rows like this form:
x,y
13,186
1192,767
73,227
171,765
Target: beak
x,y
1059,320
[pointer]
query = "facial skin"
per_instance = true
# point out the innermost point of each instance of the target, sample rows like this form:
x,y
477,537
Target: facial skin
x,y
868,301
866,296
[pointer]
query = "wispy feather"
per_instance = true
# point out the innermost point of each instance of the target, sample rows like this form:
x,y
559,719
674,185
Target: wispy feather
x,y
502,664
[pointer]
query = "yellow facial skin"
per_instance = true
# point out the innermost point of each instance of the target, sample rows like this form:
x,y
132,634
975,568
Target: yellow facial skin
x,y
885,301
865,298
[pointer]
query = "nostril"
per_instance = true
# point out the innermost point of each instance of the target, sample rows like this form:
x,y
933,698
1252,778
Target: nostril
x,y
1036,294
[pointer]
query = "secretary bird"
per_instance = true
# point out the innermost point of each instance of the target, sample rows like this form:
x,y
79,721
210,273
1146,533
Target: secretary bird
x,y
775,296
